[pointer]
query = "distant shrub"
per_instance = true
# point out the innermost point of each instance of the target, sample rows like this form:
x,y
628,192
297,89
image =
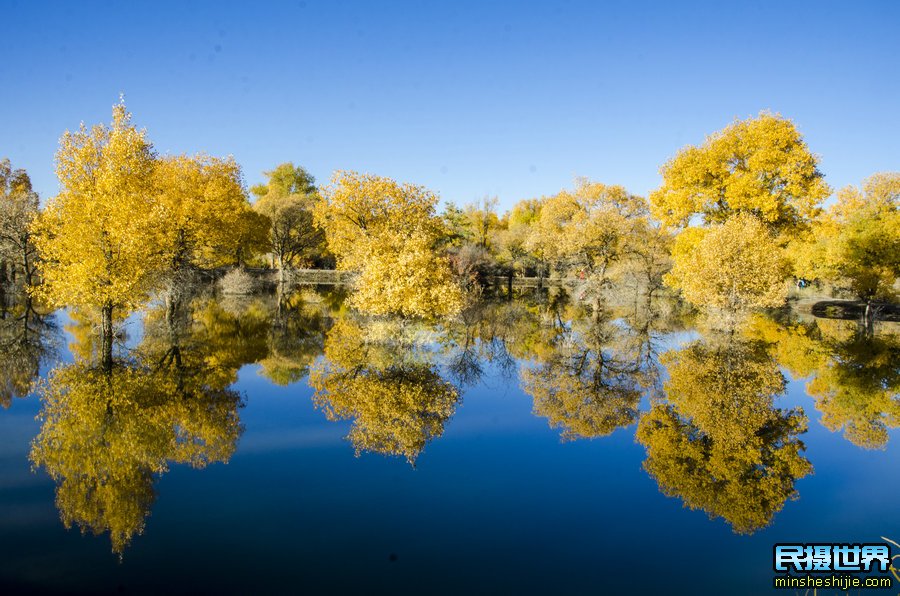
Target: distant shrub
x,y
238,282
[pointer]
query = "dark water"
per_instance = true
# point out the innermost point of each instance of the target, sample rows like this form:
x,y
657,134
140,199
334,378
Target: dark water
x,y
533,446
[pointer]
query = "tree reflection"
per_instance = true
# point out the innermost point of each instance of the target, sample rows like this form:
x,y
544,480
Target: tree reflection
x,y
719,444
589,377
108,431
854,374
295,337
27,340
380,374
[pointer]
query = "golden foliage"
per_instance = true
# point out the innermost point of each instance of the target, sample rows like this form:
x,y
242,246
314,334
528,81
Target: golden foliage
x,y
719,444
397,400
586,385
388,231
856,244
105,434
205,209
100,237
854,377
734,265
759,166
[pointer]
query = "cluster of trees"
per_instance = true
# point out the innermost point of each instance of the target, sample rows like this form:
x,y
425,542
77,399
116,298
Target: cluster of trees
x,y
734,219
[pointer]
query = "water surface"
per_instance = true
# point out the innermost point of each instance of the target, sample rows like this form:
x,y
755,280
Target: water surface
x,y
283,445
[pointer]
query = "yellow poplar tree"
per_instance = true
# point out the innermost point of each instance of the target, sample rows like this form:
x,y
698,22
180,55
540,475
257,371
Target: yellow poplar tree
x,y
759,165
733,266
856,244
719,444
388,231
758,168
99,237
397,399
205,207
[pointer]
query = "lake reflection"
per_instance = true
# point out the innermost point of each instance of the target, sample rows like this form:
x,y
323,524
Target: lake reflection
x,y
708,407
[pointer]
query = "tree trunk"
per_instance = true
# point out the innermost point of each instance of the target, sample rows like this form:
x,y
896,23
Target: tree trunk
x,y
106,337
26,265
171,306
869,320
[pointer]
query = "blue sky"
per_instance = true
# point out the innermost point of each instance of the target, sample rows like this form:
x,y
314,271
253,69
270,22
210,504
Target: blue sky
x,y
512,99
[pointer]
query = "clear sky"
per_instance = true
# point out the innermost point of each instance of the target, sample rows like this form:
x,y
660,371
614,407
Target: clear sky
x,y
512,99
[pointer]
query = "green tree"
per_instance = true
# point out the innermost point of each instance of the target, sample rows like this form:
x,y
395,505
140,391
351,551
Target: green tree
x,y
287,200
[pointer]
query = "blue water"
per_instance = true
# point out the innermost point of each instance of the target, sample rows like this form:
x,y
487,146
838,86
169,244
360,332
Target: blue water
x,y
498,504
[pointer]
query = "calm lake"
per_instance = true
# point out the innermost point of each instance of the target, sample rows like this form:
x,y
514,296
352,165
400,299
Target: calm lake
x,y
533,445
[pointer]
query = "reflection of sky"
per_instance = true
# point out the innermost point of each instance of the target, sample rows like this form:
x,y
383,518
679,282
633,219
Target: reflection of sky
x,y
497,504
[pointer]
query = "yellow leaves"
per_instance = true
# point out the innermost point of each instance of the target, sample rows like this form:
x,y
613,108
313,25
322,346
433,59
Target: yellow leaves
x,y
590,228
856,244
205,208
719,444
398,402
105,434
406,278
853,377
387,232
99,237
735,265
760,165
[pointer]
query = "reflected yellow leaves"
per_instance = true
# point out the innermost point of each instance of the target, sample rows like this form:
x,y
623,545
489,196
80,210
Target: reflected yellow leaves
x,y
719,444
106,434
853,375
395,396
714,434
586,386
26,340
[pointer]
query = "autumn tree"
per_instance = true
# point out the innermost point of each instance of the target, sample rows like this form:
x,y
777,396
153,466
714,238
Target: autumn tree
x,y
761,166
296,337
385,383
588,231
511,241
287,200
205,208
731,266
19,209
852,374
100,237
585,386
27,340
107,433
481,217
718,443
388,233
856,243
758,168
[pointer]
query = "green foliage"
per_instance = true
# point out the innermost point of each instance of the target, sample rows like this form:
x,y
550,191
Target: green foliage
x,y
287,200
